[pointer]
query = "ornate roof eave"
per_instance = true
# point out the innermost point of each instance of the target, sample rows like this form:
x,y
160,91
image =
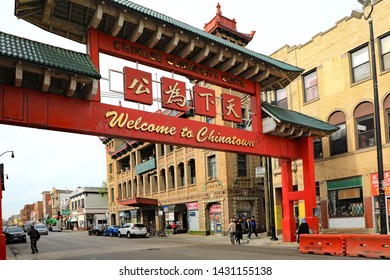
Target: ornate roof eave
x,y
294,125
130,21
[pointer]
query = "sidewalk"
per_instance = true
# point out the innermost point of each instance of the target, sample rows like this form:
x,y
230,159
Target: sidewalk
x,y
262,240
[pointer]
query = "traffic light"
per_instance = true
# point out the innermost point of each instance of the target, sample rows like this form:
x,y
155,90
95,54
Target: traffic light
x,y
2,177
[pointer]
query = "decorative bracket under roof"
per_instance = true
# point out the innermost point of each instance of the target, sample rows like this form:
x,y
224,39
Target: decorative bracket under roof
x,y
287,123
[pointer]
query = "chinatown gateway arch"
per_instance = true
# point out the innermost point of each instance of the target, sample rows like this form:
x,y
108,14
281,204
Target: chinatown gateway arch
x,y
57,89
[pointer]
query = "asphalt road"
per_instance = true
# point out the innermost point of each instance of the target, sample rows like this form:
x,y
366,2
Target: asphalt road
x,y
79,246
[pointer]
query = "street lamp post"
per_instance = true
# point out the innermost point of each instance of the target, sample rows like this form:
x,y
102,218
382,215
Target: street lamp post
x,y
3,254
381,183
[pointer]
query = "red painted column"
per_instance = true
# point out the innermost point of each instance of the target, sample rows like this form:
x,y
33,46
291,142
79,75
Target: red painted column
x,y
93,52
256,107
306,152
288,221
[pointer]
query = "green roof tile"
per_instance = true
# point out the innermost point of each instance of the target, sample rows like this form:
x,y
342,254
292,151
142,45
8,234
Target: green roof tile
x,y
199,32
289,116
45,55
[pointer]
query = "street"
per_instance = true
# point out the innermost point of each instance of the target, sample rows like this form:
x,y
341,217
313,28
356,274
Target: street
x,y
79,246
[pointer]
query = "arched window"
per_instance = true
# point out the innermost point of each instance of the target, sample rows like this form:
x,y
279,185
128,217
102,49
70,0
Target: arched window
x,y
180,170
364,118
162,184
338,140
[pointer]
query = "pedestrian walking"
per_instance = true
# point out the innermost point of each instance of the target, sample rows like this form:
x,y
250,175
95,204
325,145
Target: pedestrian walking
x,y
238,231
174,227
34,237
254,226
231,230
303,229
248,227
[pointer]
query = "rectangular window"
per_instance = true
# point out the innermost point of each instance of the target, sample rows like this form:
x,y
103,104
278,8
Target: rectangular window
x,y
338,141
281,98
208,120
112,194
366,133
360,65
242,125
212,167
317,143
384,44
310,86
241,163
346,202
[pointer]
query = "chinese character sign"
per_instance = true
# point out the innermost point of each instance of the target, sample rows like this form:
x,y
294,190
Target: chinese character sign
x,y
231,108
375,183
138,86
205,104
173,94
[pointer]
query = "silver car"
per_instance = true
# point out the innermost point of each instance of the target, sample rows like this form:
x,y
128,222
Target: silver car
x,y
42,229
131,230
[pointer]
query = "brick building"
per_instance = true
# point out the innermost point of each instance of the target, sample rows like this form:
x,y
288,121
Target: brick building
x,y
337,87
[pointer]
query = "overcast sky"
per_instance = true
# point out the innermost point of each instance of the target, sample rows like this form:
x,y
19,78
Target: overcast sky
x,y
47,159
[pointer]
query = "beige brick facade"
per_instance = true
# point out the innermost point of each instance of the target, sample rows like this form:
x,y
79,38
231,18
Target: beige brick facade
x,y
329,54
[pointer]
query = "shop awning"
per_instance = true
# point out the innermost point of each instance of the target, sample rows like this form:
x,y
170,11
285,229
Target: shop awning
x,y
138,201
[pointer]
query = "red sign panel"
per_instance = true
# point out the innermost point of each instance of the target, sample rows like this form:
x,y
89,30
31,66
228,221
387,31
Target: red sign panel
x,y
192,206
131,51
138,86
173,94
375,183
204,99
231,108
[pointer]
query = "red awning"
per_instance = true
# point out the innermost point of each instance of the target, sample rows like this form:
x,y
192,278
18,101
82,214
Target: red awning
x,y
138,201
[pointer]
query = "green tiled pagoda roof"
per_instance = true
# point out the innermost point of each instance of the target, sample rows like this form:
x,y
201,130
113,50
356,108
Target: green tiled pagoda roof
x,y
47,56
198,32
288,116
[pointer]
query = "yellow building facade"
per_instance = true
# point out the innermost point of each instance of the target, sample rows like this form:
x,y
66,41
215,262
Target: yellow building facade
x,y
337,87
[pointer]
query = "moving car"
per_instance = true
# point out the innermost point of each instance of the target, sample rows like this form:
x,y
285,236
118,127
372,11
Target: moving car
x,y
96,230
111,231
14,234
42,229
131,230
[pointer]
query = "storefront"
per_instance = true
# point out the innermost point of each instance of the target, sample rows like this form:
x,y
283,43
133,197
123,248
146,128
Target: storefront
x,y
375,196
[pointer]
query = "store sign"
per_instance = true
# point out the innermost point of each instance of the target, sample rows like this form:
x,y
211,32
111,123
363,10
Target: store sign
x,y
192,206
375,183
132,51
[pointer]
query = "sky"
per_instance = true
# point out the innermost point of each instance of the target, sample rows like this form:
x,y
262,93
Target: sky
x,y
45,159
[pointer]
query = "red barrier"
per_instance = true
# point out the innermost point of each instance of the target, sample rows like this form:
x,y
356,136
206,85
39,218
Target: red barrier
x,y
322,244
367,245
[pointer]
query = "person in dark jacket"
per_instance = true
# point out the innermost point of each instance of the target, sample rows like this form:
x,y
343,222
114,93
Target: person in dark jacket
x,y
34,237
238,231
303,229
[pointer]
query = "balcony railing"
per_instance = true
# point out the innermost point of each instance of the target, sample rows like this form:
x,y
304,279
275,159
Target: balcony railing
x,y
145,166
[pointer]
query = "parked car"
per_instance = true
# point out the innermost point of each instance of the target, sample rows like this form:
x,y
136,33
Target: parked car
x,y
131,230
42,229
56,228
96,230
14,234
111,231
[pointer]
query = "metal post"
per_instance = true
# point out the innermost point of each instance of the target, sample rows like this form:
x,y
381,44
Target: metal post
x,y
271,200
382,205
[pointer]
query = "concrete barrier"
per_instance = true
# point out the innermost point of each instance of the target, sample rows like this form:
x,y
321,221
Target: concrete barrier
x,y
323,244
367,245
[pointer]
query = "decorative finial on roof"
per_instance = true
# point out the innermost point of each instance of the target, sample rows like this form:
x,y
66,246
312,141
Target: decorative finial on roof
x,y
219,12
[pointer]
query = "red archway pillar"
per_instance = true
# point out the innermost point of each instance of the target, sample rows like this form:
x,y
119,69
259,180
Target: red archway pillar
x,y
306,152
288,221
308,194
